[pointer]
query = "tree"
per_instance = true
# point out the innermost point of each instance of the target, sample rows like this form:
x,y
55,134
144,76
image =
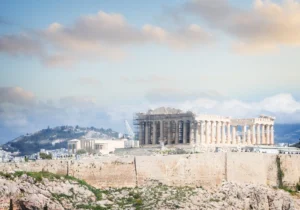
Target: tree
x,y
11,207
45,207
80,152
45,156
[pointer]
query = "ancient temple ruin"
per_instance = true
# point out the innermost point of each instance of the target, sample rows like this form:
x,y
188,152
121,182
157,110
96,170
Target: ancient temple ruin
x,y
173,126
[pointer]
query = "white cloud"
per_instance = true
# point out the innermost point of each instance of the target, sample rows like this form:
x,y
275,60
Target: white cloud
x,y
23,44
16,95
78,101
265,27
89,81
283,106
98,36
19,116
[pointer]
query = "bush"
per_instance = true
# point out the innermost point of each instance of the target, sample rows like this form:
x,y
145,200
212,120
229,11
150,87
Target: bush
x,y
45,156
80,152
138,202
298,186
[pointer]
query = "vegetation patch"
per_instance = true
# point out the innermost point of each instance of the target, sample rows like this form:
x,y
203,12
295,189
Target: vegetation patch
x,y
91,207
61,196
280,173
38,176
280,176
45,156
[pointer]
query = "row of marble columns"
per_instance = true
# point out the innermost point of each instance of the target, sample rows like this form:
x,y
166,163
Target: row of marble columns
x,y
220,132
88,145
169,132
205,132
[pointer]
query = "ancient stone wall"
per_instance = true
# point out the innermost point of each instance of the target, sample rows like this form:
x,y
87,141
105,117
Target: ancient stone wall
x,y
105,172
290,165
204,169
54,166
252,168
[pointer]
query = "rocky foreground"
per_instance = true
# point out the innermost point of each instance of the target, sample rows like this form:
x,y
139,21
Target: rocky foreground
x,y
49,191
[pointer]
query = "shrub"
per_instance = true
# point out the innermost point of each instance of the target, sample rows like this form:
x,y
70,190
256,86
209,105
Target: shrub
x,y
298,186
138,202
45,156
80,152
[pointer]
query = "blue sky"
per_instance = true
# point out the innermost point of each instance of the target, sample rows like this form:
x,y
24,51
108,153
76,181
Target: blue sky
x,y
94,63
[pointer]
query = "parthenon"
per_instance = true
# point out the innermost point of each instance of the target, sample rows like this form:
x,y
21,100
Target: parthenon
x,y
173,126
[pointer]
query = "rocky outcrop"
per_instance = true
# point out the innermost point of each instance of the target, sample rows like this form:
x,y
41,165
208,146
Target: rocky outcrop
x,y
38,190
34,193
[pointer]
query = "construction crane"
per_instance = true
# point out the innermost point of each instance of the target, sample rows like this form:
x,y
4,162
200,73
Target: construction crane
x,y
129,130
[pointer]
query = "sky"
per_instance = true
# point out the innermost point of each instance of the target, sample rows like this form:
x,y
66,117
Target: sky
x,y
96,63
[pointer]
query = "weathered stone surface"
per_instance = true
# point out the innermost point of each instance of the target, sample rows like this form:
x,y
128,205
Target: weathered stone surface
x,y
252,168
204,169
290,165
59,194
106,172
54,166
207,169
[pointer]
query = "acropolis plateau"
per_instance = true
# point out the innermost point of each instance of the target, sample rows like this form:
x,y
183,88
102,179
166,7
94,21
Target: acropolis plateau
x,y
175,127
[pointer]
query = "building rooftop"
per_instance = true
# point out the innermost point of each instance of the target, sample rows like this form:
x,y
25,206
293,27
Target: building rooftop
x,y
164,110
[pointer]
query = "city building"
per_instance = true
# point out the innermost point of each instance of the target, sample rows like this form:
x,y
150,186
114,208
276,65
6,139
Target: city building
x,y
173,127
102,146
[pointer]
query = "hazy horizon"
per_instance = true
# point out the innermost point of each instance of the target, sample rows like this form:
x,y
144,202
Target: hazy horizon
x,y
98,62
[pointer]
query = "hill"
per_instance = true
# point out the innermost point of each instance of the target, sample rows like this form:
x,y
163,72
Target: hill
x,y
287,133
54,138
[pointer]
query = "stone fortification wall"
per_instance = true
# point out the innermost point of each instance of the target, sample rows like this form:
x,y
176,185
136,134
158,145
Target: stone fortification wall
x,y
205,169
252,168
106,172
54,166
290,165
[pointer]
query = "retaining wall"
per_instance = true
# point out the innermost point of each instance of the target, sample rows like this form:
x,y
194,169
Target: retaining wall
x,y
204,169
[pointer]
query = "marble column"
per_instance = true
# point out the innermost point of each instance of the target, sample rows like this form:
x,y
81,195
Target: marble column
x,y
263,134
154,133
239,139
234,134
249,136
244,134
176,132
141,132
218,133
268,134
272,135
206,132
258,139
253,139
223,133
192,134
169,132
197,136
202,132
228,133
184,131
161,137
212,133
147,133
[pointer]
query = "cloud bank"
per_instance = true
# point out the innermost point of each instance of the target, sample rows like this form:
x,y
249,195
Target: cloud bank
x,y
266,26
21,112
97,36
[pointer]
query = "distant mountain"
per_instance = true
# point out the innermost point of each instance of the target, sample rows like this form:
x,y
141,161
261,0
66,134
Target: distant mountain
x,y
54,138
287,133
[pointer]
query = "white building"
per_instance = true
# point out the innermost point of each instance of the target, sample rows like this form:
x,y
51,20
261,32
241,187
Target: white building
x,y
175,127
102,146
